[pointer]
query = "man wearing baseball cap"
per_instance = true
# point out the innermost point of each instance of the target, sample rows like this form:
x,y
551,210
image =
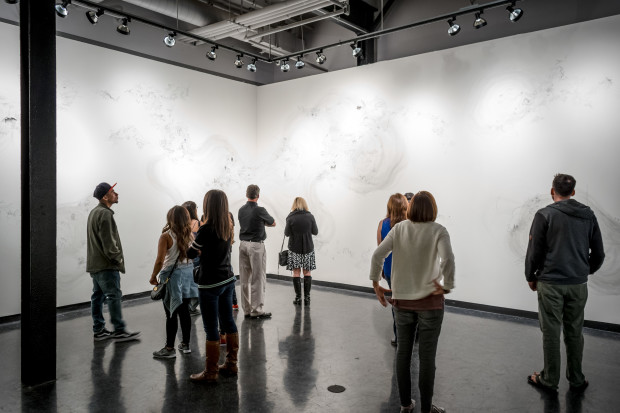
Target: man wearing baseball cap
x,y
104,261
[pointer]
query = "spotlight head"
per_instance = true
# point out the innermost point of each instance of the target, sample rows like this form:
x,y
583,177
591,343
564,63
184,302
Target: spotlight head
x,y
515,14
320,57
61,8
480,21
239,62
252,66
285,67
123,28
300,63
212,55
93,17
454,28
357,51
170,40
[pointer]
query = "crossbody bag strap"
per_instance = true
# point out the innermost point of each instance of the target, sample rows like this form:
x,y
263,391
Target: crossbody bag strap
x,y
282,247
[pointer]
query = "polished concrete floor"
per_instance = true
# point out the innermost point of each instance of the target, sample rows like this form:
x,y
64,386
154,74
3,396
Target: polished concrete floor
x,y
287,364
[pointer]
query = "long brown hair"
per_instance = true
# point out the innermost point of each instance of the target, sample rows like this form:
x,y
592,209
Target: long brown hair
x,y
397,209
192,209
423,207
215,207
180,224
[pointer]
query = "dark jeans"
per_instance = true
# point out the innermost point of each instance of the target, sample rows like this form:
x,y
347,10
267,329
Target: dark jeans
x,y
106,288
389,281
172,326
216,304
428,324
561,307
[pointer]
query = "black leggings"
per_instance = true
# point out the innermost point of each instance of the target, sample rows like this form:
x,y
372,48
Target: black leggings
x,y
172,326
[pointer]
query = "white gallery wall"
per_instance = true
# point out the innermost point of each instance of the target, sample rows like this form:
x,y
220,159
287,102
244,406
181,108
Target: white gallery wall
x,y
483,127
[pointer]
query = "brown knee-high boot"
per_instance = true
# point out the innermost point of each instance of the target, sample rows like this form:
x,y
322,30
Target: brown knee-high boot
x,y
232,347
213,357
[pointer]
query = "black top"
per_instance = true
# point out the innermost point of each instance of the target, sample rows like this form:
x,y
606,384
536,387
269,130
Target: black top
x,y
214,257
565,244
300,227
252,221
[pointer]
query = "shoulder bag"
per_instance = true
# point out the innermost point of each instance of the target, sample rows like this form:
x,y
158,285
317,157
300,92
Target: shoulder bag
x,y
159,290
283,254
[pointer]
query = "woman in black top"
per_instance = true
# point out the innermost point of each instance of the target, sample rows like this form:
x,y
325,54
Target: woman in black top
x,y
216,284
300,227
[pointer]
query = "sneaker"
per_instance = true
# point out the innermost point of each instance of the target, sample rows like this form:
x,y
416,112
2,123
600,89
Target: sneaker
x,y
408,408
437,409
255,316
102,335
164,353
235,307
184,348
580,389
222,339
194,312
124,335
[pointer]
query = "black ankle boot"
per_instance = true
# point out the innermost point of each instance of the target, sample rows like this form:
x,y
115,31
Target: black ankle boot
x,y
307,286
297,285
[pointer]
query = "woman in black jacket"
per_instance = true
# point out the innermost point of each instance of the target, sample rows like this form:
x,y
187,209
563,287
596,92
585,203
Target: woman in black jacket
x,y
300,227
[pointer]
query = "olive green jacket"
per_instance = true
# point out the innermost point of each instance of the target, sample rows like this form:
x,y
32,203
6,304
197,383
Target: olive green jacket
x,y
104,249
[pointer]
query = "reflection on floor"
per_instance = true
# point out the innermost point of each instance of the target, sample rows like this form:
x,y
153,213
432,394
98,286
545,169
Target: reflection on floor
x,y
287,363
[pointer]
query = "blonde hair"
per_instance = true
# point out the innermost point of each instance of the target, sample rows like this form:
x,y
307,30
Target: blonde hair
x,y
299,204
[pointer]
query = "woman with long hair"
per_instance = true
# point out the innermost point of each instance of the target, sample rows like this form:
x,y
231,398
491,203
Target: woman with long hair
x,y
216,284
300,227
173,264
422,259
396,212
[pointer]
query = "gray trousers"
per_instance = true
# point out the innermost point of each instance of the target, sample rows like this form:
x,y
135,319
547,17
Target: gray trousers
x,y
252,276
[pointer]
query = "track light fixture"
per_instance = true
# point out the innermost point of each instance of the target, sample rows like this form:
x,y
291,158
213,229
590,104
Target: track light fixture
x,y
252,66
285,67
212,55
515,14
300,63
239,62
454,28
123,28
170,40
93,16
320,57
357,51
480,21
61,8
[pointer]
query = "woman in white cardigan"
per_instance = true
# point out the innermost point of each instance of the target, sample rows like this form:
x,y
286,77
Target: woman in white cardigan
x,y
422,272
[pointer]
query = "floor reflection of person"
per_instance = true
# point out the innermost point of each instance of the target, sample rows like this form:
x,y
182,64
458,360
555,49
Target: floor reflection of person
x,y
108,386
253,364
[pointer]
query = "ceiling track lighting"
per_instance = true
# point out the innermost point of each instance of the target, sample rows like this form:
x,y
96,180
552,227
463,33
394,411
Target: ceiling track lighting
x,y
61,8
300,63
480,21
170,40
515,14
212,55
252,66
239,62
320,57
93,16
285,67
454,28
357,51
123,28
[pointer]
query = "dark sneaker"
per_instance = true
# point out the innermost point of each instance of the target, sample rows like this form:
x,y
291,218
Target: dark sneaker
x,y
581,388
406,409
255,316
184,348
235,307
124,335
194,312
102,335
437,409
164,353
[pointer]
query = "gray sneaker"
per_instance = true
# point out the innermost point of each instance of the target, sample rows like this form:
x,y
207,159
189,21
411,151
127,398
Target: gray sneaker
x,y
124,335
164,353
184,348
102,334
437,409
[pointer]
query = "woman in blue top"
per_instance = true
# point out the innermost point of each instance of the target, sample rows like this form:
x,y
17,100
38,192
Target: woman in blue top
x,y
396,212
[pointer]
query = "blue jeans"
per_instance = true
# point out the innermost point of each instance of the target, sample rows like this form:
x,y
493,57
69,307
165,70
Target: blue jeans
x,y
428,324
106,287
216,307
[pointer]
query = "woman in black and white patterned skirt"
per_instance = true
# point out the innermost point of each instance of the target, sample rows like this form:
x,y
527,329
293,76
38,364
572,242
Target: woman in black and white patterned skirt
x,y
300,227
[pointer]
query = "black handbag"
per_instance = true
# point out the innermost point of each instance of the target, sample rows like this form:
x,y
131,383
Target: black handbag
x,y
159,291
196,274
283,255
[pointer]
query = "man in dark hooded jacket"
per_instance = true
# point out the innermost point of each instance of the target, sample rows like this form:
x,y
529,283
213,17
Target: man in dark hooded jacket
x,y
565,246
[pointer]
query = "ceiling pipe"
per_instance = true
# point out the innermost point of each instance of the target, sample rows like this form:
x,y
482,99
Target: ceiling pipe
x,y
297,24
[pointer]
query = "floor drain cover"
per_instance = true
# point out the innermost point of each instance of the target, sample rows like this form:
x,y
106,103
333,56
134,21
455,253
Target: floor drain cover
x,y
336,388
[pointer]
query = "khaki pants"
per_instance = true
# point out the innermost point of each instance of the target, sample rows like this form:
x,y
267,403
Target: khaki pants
x,y
252,275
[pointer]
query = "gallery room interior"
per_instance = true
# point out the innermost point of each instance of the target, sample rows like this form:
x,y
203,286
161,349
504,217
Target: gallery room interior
x,y
482,116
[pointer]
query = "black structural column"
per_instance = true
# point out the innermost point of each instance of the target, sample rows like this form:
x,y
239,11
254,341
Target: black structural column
x,y
38,186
